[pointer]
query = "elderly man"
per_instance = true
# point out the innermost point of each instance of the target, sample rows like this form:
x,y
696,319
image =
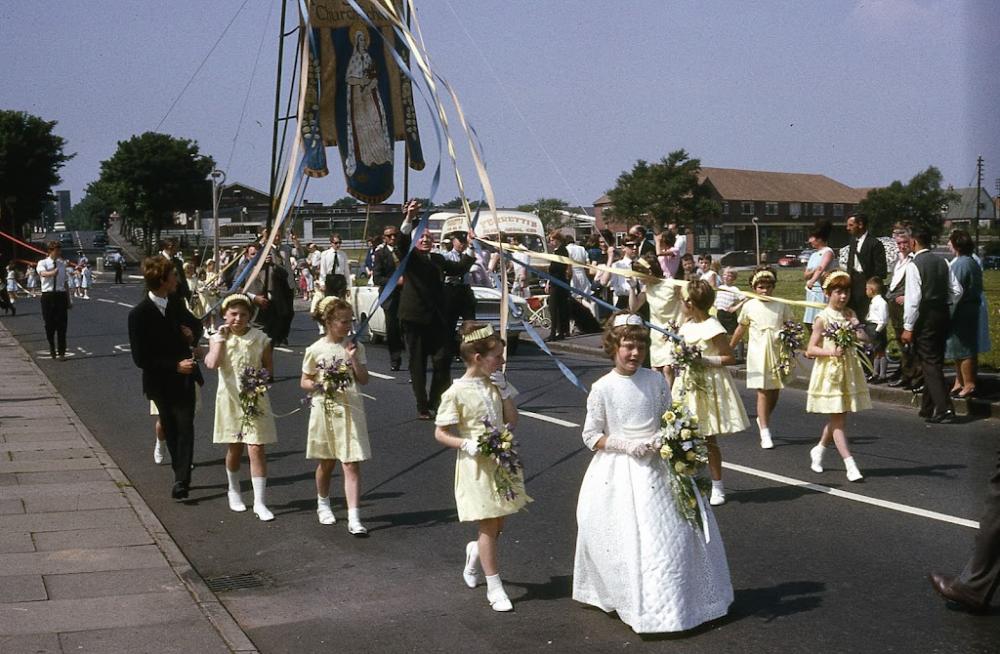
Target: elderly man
x,y
422,316
909,374
865,259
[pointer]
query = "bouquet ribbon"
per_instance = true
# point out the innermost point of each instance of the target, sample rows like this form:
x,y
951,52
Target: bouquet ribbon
x,y
701,509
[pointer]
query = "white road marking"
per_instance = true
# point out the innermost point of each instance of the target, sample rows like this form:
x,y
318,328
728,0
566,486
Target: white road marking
x,y
379,375
123,348
885,504
285,349
543,418
84,352
101,299
123,304
370,397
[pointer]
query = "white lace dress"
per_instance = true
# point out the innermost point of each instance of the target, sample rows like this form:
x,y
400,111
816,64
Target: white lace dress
x,y
635,554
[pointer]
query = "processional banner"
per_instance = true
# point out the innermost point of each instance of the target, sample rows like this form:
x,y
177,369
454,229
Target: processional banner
x,y
357,98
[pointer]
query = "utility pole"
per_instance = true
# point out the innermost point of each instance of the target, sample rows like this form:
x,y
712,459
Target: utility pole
x,y
979,191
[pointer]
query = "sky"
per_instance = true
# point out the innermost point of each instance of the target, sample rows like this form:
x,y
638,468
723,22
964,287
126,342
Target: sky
x,y
565,94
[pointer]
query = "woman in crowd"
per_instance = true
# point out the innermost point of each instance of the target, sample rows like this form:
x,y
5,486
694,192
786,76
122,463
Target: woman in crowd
x,y
963,339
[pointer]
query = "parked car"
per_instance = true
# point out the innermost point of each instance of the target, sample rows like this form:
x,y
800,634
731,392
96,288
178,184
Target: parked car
x,y
738,258
991,262
100,240
112,249
804,256
789,260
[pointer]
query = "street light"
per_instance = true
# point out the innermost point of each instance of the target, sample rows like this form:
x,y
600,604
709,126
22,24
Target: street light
x,y
756,236
218,179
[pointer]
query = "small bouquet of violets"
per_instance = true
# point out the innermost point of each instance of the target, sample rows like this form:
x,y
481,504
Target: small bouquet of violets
x,y
685,452
790,340
334,378
688,357
847,337
499,445
254,382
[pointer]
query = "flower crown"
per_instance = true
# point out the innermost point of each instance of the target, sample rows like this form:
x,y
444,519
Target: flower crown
x,y
761,275
623,319
483,332
236,297
324,303
839,274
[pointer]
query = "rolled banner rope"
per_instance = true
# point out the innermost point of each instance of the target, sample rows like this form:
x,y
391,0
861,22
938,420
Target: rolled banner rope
x,y
23,244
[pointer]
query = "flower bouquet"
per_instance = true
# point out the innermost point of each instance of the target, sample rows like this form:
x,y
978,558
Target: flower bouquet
x,y
688,357
790,340
499,445
254,382
846,336
334,378
685,452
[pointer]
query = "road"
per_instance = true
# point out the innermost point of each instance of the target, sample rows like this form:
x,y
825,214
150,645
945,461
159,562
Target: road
x,y
813,571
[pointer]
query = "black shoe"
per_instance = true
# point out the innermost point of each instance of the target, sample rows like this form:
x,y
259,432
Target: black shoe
x,y
918,389
946,418
180,491
950,590
395,366
897,383
924,414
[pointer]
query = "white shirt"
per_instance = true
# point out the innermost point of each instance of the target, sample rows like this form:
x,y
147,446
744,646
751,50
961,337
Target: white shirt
x,y
878,313
857,259
315,257
160,302
911,296
899,271
326,263
619,283
57,283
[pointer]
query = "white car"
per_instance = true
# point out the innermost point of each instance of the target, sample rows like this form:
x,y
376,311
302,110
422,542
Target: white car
x,y
363,298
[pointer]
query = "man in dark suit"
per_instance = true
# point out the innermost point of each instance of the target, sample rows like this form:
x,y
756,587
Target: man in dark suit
x,y
558,295
387,257
162,333
865,259
422,314
168,248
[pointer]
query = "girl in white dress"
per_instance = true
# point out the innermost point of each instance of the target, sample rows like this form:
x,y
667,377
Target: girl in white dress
x,y
234,347
482,392
765,321
86,280
709,390
635,554
338,430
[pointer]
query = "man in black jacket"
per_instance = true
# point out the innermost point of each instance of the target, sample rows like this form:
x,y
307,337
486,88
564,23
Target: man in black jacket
x,y
162,333
168,248
422,314
865,259
387,258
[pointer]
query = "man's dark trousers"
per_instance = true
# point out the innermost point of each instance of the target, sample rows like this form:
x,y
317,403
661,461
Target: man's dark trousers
x,y
177,417
981,575
929,335
431,340
55,305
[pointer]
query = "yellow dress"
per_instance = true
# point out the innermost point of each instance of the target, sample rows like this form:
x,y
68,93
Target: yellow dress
x,y
837,384
464,405
713,396
765,320
665,302
237,353
339,433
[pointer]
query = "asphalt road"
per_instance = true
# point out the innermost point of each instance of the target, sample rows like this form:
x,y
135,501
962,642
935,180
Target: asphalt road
x,y
813,572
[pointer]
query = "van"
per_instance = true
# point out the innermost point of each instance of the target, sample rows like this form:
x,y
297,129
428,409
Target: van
x,y
59,226
526,226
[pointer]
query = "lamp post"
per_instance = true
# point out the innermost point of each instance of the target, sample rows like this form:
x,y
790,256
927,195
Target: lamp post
x,y
756,236
218,179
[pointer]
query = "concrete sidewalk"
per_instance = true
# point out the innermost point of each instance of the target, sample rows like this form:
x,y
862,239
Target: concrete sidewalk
x,y
85,566
986,406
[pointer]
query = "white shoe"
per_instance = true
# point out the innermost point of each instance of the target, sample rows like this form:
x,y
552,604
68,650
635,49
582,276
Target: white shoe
x,y
236,502
263,512
765,441
471,573
158,452
356,529
325,515
816,458
718,496
499,601
853,474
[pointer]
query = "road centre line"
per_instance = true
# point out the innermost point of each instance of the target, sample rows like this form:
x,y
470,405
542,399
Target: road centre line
x,y
543,418
885,504
370,397
378,375
102,299
123,304
285,349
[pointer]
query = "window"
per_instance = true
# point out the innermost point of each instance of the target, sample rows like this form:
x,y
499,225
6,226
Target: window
x,y
819,209
794,209
838,210
771,208
746,208
725,208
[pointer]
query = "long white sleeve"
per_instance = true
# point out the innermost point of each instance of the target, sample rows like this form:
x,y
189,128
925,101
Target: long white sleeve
x,y
911,297
596,424
955,291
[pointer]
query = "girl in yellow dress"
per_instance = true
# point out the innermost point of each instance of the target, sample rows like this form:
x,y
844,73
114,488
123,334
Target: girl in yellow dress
x,y
665,309
707,386
231,350
332,369
765,321
837,385
482,393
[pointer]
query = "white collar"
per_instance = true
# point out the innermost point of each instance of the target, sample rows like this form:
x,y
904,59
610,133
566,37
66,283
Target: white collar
x,y
160,302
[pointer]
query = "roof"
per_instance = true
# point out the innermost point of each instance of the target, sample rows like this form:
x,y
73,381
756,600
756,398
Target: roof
x,y
759,185
965,208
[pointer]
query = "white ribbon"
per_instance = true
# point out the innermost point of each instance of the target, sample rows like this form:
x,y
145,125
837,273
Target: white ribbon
x,y
701,508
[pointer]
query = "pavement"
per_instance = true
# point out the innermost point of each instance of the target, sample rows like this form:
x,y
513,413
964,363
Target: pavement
x,y
85,565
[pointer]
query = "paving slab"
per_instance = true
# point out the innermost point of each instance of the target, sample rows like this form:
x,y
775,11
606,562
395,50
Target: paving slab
x,y
169,638
49,465
40,643
88,502
34,436
111,583
22,588
68,561
67,476
40,445
22,412
39,426
11,506
67,520
92,538
53,454
14,541
46,490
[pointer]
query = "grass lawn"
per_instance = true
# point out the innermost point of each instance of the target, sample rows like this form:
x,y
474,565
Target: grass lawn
x,y
791,285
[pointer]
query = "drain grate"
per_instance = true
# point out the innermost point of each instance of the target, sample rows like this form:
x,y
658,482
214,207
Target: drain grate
x,y
236,582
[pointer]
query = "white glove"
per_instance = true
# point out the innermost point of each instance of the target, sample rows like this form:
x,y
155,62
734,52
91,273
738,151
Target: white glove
x,y
470,447
712,360
507,390
632,447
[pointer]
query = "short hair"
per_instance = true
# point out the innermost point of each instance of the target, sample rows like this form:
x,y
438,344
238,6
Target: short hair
x,y
53,245
189,268
608,237
639,229
335,235
860,218
155,271
730,269
170,241
700,294
962,242
841,282
705,256
687,256
923,235
613,336
877,284
821,230
648,264
327,309
667,238
480,346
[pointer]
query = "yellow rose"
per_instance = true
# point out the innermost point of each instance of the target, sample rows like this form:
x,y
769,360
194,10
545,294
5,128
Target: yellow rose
x,y
690,456
693,420
666,452
692,503
669,416
679,467
686,434
505,445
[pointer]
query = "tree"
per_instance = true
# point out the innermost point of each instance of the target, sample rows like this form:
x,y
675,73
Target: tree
x,y
152,175
653,194
346,202
30,158
920,201
547,210
93,210
456,203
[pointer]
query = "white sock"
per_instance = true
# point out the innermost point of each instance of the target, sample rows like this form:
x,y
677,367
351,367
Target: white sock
x,y
353,515
765,432
259,486
322,502
493,583
234,480
717,485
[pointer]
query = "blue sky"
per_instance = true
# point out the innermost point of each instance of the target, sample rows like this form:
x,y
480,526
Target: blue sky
x,y
565,94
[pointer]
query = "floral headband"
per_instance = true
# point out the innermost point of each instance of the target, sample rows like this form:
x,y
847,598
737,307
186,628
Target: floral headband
x,y
623,319
761,275
324,303
236,297
476,335
834,276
